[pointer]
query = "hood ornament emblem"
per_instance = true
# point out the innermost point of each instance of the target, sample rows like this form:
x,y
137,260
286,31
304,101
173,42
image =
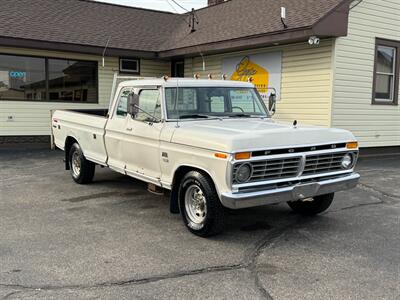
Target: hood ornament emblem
x,y
295,124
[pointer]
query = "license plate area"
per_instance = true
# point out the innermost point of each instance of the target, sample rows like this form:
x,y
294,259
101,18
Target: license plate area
x,y
303,191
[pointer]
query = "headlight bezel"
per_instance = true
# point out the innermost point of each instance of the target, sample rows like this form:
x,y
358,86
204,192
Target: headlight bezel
x,y
239,167
349,157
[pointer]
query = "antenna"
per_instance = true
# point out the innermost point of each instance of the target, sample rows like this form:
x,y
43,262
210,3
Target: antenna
x,y
105,49
283,17
193,21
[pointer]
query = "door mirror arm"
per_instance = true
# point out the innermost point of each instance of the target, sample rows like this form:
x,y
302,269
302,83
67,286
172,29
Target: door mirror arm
x,y
272,103
133,104
134,109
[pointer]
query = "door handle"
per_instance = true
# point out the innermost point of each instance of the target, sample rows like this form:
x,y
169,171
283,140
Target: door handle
x,y
129,129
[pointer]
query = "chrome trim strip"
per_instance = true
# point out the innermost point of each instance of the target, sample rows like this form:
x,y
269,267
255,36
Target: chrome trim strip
x,y
260,198
254,184
302,165
298,146
299,154
143,177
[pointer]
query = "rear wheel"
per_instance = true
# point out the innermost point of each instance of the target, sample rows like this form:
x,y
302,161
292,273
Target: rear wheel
x,y
82,170
200,207
313,207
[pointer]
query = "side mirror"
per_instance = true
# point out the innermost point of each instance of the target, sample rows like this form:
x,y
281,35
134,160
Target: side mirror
x,y
133,104
272,103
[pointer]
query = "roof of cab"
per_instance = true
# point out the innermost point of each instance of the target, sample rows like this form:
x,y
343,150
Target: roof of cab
x,y
185,82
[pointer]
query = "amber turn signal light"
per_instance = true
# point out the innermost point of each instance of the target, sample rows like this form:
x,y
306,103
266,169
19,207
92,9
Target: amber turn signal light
x,y
352,145
221,155
242,155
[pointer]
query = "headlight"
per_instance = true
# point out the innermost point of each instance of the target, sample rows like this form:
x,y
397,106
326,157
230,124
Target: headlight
x,y
243,173
347,161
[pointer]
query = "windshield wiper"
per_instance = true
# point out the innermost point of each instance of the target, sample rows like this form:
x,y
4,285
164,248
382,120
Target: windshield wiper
x,y
246,116
240,116
194,116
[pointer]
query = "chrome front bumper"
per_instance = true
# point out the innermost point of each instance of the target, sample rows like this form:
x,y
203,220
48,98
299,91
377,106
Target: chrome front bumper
x,y
292,193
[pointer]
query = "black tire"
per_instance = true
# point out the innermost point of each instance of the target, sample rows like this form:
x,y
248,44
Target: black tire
x,y
87,168
213,219
312,208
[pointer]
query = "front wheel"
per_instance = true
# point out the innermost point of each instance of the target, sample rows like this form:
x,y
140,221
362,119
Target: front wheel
x,y
200,207
82,170
318,205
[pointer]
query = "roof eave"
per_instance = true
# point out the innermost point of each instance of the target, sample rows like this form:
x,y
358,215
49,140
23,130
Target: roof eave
x,y
75,48
241,44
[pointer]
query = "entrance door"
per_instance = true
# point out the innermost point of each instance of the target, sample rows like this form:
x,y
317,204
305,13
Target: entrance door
x,y
178,68
142,149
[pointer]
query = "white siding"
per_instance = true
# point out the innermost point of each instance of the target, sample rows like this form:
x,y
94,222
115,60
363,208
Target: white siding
x,y
374,125
33,118
306,88
154,68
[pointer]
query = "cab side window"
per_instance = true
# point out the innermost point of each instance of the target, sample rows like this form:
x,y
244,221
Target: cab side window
x,y
149,104
122,107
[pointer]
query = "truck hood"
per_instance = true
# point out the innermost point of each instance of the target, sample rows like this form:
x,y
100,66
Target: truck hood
x,y
233,135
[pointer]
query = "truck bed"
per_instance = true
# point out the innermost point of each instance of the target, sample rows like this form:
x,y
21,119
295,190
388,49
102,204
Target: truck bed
x,y
101,112
86,126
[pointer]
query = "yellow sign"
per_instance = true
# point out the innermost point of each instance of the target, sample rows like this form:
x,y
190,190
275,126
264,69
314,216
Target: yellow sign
x,y
246,69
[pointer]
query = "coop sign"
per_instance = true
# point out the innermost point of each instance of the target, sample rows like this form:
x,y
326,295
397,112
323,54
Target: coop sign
x,y
17,74
265,69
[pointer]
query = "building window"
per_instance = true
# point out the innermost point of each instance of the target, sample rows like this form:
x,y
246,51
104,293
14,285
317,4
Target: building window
x,y
386,74
47,79
22,78
129,65
73,81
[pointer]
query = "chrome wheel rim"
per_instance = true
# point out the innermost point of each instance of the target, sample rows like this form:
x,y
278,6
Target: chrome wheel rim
x,y
195,204
76,164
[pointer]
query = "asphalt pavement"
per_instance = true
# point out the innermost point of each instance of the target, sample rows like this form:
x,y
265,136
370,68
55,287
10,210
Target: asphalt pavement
x,y
114,240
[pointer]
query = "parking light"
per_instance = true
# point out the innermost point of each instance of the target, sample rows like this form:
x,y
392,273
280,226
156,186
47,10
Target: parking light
x,y
352,145
221,155
242,155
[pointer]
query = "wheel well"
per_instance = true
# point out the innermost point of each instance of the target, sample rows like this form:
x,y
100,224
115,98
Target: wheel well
x,y
179,173
68,144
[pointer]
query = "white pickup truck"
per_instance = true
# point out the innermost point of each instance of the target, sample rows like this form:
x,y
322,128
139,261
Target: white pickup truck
x,y
213,144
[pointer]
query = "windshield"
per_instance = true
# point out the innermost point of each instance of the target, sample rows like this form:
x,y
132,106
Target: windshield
x,y
204,102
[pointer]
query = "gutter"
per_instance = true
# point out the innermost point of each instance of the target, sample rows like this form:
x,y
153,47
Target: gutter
x,y
75,48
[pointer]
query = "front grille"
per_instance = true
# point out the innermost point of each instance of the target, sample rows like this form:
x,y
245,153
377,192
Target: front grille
x,y
323,163
272,169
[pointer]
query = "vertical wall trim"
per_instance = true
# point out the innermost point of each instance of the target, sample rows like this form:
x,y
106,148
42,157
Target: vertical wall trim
x,y
333,79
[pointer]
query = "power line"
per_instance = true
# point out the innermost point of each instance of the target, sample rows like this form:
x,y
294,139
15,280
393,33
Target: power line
x,y
180,6
193,15
173,7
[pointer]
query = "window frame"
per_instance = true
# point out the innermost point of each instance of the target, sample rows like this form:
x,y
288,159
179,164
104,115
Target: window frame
x,y
115,114
169,118
160,93
396,77
129,71
47,100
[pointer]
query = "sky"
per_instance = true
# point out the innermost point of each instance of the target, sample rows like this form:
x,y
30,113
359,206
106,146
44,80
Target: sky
x,y
161,4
